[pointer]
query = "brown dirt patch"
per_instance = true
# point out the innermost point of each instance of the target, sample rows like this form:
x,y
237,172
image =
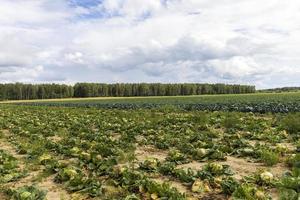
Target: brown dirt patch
x,y
254,142
55,192
193,165
140,138
243,168
274,194
28,180
3,196
240,166
291,147
144,152
55,138
6,146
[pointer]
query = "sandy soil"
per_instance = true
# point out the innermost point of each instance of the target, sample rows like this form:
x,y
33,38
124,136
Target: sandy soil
x,y
142,153
241,167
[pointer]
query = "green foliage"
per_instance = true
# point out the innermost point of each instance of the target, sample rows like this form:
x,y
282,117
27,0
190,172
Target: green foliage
x,y
217,169
231,122
176,156
291,123
229,185
288,194
294,160
255,103
249,192
9,169
163,191
27,193
269,157
150,164
166,168
261,178
184,175
156,89
74,180
290,182
134,181
20,91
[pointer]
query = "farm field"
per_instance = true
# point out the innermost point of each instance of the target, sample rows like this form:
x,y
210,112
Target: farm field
x,y
165,153
149,100
258,102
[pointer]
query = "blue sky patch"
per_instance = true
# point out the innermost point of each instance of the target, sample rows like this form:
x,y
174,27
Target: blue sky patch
x,y
85,3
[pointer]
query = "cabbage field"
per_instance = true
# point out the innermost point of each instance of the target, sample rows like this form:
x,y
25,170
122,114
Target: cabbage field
x,y
258,102
161,153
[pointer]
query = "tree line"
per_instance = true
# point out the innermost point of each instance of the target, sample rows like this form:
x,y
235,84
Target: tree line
x,y
20,91
156,89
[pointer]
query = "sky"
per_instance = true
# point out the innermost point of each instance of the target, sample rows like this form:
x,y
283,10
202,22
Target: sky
x,y
226,41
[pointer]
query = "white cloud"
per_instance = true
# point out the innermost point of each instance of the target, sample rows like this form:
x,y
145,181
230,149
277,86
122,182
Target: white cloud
x,y
237,68
76,57
33,12
22,74
130,8
159,40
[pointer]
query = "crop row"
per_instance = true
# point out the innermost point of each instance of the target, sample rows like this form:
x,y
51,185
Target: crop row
x,y
261,107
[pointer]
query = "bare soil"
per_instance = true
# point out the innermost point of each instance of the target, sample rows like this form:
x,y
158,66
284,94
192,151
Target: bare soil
x,y
55,192
144,152
241,167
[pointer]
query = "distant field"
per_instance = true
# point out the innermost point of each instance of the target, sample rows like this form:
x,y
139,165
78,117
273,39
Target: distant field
x,y
288,96
260,102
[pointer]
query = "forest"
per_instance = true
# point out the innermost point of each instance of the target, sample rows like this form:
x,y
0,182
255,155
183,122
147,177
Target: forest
x,y
20,91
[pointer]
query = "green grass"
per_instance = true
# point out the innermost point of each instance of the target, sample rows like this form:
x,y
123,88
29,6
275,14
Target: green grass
x,y
269,158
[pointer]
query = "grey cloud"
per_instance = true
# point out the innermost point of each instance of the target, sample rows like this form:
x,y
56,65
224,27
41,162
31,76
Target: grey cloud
x,y
227,62
7,68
